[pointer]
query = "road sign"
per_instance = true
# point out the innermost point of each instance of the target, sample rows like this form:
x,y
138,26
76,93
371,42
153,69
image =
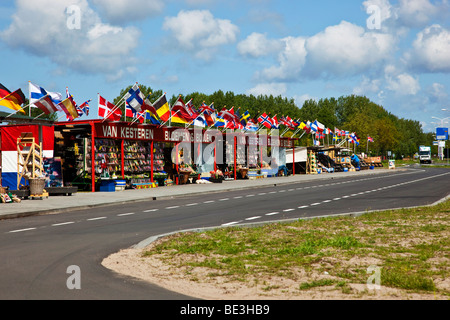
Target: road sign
x,y
441,133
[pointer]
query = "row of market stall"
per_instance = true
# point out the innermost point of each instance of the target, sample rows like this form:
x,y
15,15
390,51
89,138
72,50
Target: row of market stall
x,y
99,155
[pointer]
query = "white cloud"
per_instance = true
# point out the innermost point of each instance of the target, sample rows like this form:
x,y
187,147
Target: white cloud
x,y
400,82
300,100
431,50
437,93
41,28
199,32
291,61
122,11
257,45
368,86
346,49
275,89
416,13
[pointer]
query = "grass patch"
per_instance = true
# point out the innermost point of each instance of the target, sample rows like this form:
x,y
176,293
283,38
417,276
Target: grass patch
x,y
410,246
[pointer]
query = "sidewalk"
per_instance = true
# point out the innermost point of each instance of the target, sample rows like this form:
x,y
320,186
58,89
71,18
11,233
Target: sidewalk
x,y
86,200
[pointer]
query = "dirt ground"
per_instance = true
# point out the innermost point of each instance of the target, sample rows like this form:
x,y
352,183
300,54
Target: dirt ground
x,y
198,284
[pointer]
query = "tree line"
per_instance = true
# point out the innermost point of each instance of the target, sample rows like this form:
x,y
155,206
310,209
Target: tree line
x,y
352,113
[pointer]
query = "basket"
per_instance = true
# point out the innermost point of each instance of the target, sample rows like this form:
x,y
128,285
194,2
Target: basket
x,y
37,186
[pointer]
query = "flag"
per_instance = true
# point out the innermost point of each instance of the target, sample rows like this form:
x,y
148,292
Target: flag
x,y
130,92
230,116
37,92
108,110
162,108
69,108
264,120
190,107
200,121
319,126
12,100
85,107
286,121
148,106
369,139
182,111
3,91
245,118
136,100
274,121
130,112
209,113
251,126
220,122
151,117
46,104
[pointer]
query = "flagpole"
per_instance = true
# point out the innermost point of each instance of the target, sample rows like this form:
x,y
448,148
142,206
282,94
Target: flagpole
x,y
16,110
29,98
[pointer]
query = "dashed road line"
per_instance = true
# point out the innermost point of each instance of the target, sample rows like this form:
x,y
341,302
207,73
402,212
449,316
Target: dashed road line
x,y
125,214
272,213
253,218
97,218
22,230
173,207
62,224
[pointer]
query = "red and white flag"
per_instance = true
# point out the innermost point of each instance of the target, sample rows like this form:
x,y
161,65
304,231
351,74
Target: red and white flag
x,y
46,104
107,110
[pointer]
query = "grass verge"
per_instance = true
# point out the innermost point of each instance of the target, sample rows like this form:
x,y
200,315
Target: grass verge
x,y
410,246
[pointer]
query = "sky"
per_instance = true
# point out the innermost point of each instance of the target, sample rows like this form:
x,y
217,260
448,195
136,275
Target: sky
x,y
396,53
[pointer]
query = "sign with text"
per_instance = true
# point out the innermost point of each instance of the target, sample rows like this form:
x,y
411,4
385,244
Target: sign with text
x,y
441,133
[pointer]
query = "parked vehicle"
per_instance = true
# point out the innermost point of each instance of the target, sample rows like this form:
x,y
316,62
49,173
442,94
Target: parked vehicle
x,y
425,154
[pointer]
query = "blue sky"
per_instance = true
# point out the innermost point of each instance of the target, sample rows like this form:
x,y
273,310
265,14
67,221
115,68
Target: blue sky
x,y
397,53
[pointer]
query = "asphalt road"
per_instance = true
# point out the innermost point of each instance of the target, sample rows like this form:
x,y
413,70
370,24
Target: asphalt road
x,y
36,252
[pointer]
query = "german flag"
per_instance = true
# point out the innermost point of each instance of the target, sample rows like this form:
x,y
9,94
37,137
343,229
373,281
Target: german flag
x,y
3,91
12,100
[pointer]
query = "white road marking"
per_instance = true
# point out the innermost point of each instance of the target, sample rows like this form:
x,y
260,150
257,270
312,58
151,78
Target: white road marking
x,y
191,204
287,210
253,218
303,207
62,224
272,213
315,204
22,230
98,218
151,210
173,207
125,214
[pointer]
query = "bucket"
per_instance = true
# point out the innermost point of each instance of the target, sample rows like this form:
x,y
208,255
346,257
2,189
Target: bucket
x,y
37,186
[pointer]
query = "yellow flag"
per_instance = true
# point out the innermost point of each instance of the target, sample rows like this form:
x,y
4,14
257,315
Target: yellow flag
x,y
69,108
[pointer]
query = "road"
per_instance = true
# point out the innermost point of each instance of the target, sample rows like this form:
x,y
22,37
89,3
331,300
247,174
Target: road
x,y
35,252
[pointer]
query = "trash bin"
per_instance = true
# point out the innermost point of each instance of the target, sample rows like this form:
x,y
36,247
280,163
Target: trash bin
x,y
37,186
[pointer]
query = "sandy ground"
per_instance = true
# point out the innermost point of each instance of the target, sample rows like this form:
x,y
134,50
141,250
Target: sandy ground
x,y
196,282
